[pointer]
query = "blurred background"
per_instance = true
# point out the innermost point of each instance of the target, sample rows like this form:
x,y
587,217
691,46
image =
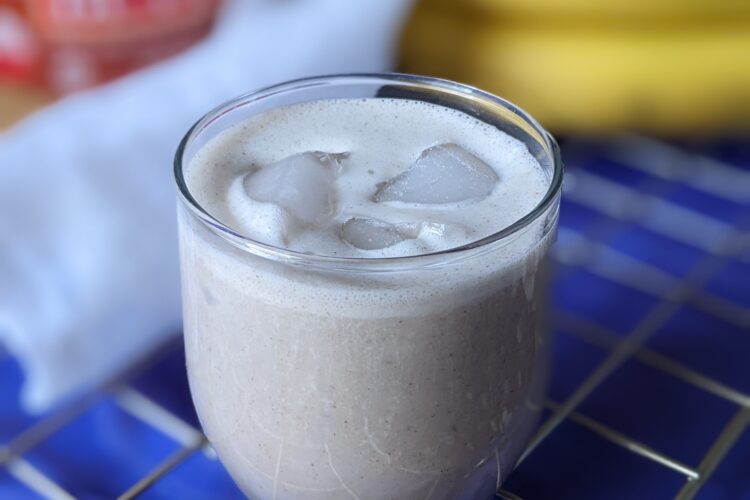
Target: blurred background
x,y
650,392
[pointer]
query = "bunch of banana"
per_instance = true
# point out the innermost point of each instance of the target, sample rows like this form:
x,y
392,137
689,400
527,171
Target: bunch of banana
x,y
588,66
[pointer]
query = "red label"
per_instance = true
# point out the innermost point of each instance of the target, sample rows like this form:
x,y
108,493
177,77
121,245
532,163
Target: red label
x,y
19,48
66,21
79,43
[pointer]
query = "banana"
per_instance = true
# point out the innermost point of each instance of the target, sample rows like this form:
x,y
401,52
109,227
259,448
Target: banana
x,y
599,9
593,78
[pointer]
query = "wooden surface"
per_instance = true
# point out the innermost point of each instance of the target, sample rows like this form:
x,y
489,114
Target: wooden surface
x,y
18,101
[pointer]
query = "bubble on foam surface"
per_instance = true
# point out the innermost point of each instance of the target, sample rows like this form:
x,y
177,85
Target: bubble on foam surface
x,y
301,184
445,173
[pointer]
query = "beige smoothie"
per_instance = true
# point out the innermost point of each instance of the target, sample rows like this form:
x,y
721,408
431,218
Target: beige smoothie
x,y
336,348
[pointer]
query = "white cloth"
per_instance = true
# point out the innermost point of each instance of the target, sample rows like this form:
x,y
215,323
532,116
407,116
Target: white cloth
x,y
88,253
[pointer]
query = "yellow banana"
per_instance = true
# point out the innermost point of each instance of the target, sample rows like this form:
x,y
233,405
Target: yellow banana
x,y
593,78
671,9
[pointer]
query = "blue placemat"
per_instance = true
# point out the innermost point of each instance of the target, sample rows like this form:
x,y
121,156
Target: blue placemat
x,y
650,391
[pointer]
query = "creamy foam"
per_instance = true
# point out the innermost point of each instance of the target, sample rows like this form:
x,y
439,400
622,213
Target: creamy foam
x,y
383,137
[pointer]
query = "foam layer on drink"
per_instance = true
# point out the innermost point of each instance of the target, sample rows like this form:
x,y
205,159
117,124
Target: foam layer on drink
x,y
366,178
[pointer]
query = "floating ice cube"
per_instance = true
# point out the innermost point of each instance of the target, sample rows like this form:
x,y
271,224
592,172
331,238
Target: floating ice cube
x,y
265,222
302,184
445,173
372,234
441,235
443,230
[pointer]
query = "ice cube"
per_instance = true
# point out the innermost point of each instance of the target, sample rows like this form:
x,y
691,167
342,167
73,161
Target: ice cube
x,y
445,173
265,222
373,234
443,230
441,235
302,184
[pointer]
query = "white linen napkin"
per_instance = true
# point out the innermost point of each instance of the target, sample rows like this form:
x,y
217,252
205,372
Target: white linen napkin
x,y
88,253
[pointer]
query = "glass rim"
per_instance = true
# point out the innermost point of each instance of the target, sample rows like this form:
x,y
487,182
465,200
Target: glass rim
x,y
358,263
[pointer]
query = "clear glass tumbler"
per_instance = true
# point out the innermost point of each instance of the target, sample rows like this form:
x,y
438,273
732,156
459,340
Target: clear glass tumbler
x,y
411,377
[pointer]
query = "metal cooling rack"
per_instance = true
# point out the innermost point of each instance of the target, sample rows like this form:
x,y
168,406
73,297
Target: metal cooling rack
x,y
631,183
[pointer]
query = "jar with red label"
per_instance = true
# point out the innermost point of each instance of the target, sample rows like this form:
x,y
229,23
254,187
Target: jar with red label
x,y
70,45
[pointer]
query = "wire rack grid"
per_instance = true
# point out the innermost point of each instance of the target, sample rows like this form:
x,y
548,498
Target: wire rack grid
x,y
642,189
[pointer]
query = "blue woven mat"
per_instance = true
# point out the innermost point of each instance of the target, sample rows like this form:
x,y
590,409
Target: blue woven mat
x,y
650,392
